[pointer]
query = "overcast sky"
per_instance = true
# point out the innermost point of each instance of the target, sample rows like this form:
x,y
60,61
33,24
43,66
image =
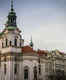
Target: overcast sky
x,y
44,20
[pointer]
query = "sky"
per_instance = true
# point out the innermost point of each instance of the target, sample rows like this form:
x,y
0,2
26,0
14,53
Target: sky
x,y
44,20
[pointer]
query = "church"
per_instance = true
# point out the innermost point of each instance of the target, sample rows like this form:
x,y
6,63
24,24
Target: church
x,y
19,62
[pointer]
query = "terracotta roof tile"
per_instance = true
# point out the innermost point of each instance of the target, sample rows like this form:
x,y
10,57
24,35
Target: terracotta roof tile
x,y
27,49
41,52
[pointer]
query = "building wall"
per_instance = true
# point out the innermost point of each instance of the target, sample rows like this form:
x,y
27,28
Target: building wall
x,y
26,61
34,62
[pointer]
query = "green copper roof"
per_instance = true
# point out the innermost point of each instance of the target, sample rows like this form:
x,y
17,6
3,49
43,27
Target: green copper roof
x,y
11,28
12,13
11,18
8,28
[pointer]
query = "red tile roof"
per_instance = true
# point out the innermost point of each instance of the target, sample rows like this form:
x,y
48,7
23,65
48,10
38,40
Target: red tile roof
x,y
28,49
41,52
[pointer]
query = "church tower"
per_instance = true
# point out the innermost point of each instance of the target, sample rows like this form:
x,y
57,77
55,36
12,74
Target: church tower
x,y
11,43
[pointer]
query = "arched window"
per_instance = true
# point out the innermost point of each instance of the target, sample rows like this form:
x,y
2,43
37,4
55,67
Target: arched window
x,y
10,43
5,69
0,59
5,58
14,20
6,42
39,66
2,45
26,72
15,68
15,58
15,42
5,65
20,42
11,20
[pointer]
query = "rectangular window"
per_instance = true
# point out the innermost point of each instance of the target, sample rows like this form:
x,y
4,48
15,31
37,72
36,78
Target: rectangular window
x,y
0,59
2,45
26,74
5,69
15,69
15,42
20,42
6,42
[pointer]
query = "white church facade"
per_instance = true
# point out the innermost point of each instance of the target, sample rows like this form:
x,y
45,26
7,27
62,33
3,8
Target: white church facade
x,y
19,62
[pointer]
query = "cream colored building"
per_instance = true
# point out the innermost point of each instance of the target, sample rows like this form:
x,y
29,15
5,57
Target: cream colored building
x,y
19,62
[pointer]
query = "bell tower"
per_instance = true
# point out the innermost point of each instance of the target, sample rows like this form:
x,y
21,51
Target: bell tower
x,y
11,44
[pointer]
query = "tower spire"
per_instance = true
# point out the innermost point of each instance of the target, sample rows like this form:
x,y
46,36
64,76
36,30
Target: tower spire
x,y
12,5
11,17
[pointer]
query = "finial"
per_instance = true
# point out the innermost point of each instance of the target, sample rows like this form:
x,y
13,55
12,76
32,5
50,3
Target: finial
x,y
11,5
